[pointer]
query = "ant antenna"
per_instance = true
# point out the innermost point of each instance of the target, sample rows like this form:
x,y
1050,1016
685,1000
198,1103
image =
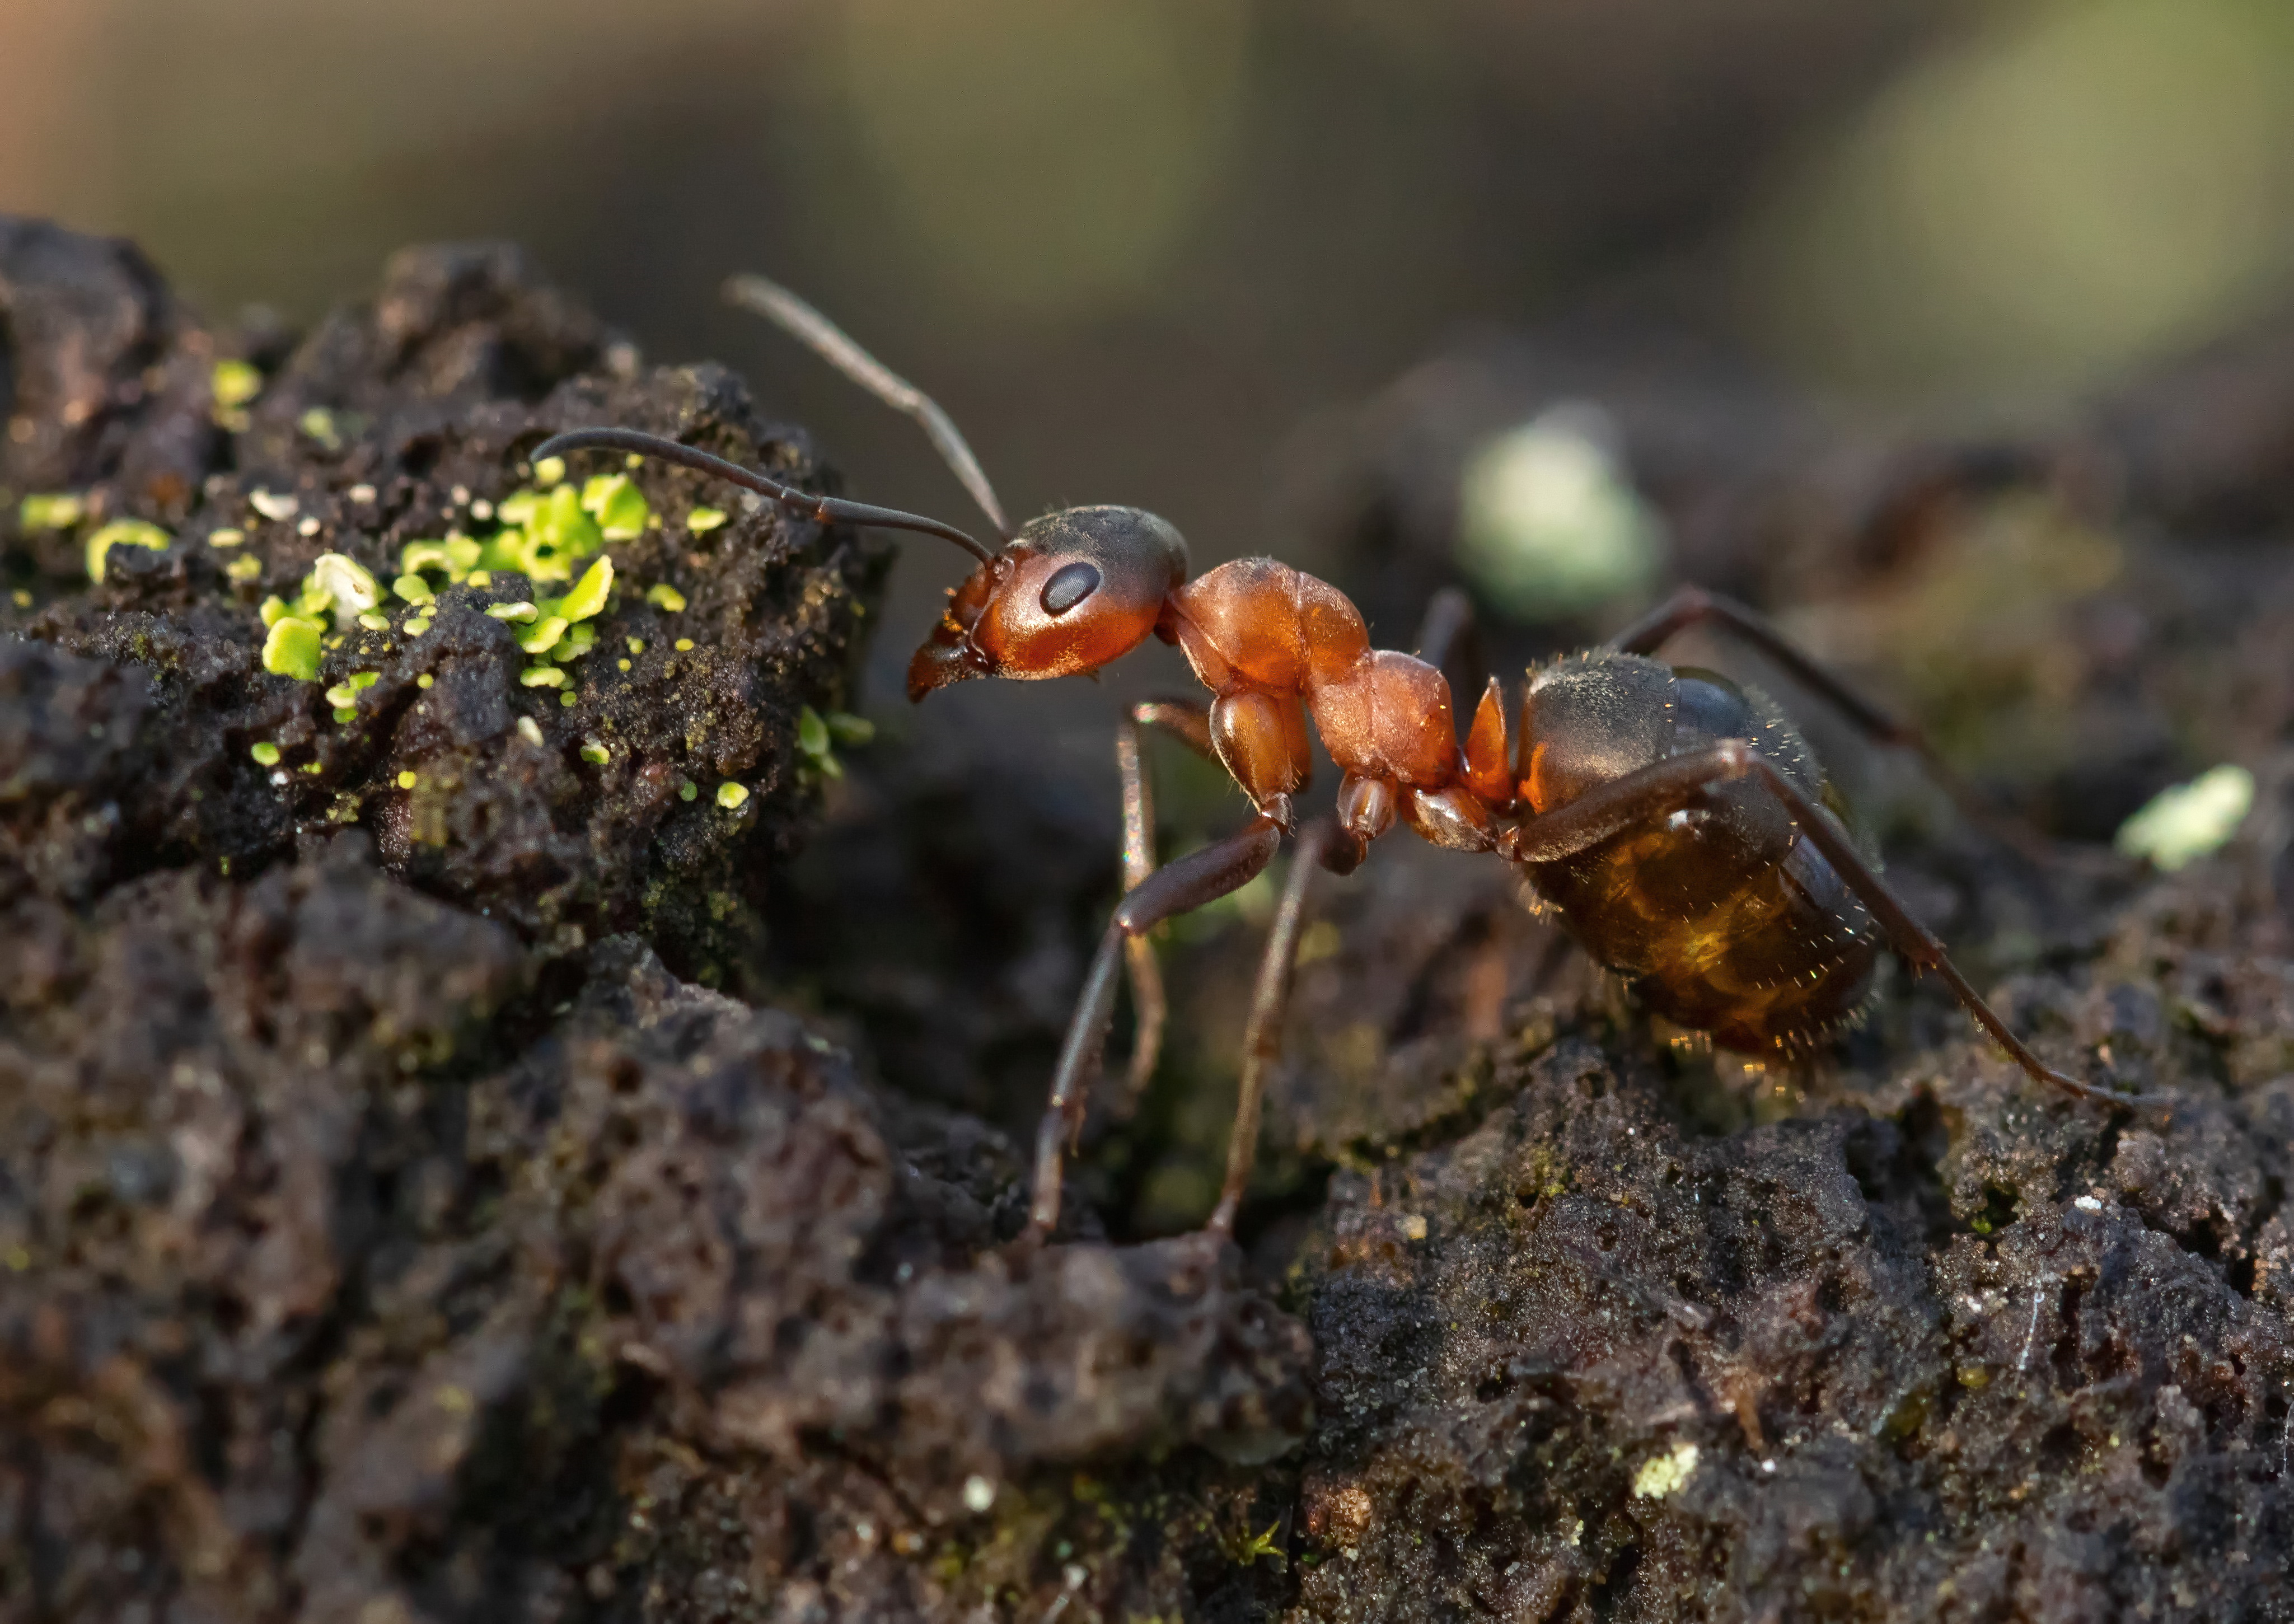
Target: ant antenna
x,y
835,347
820,508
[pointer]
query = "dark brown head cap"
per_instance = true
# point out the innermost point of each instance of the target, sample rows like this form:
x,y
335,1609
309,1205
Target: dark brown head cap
x,y
1075,590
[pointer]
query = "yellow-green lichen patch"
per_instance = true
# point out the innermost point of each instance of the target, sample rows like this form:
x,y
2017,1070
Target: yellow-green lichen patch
x,y
701,521
1666,1474
375,620
424,680
661,594
227,537
542,676
684,645
122,532
687,791
292,648
595,753
264,752
2180,824
407,780
730,796
618,505
234,383
542,636
550,471
59,510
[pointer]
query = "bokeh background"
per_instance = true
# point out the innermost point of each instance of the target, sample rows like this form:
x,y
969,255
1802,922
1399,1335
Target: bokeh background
x,y
1138,245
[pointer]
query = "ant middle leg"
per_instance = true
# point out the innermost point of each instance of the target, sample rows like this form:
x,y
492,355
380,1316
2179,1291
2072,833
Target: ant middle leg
x,y
1201,877
1693,606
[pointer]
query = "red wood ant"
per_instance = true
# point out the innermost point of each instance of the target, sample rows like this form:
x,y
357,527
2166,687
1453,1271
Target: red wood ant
x,y
1677,823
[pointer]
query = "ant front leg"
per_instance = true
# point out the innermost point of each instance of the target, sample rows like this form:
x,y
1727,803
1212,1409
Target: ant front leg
x,y
1188,721
1201,877
1693,606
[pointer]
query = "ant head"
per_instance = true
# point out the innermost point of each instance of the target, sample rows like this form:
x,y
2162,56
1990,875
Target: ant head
x,y
1072,591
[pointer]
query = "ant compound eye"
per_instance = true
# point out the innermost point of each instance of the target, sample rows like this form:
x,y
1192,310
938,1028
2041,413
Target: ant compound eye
x,y
1069,586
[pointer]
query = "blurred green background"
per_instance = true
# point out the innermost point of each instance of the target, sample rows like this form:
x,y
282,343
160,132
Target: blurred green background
x,y
1133,243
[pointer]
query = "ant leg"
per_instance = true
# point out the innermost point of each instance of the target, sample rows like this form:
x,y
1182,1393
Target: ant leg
x,y
1262,1043
1664,785
1217,870
1189,720
1692,605
1916,943
1449,632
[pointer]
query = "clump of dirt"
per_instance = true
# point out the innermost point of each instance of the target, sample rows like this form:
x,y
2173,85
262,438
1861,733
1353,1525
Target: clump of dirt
x,y
385,1232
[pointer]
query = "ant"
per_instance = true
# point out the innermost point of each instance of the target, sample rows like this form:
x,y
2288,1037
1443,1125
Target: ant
x,y
1677,823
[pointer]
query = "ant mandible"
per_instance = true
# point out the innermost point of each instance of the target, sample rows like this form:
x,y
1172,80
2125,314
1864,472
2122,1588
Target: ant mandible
x,y
1676,822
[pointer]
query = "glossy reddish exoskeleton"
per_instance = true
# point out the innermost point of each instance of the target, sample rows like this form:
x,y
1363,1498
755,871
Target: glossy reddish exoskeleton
x,y
1682,830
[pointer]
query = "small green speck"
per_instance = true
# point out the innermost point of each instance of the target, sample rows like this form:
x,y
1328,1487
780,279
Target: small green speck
x,y
243,569
374,621
319,424
513,611
292,649
529,730
22,599
342,694
687,790
413,589
621,665
407,780
345,713
424,680
59,511
542,676
415,626
122,532
595,753
684,645
565,700
637,645
549,471
361,680
663,596
234,383
265,752
701,521
731,795
227,537
312,768
811,732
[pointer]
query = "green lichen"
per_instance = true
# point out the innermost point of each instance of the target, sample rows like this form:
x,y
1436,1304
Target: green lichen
x,y
265,752
544,635
542,677
59,510
730,796
595,753
225,537
319,424
292,648
550,471
701,521
122,532
234,383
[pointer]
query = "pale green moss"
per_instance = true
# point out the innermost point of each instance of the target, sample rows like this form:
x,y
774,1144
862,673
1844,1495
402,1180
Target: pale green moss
x,y
292,648
59,511
122,532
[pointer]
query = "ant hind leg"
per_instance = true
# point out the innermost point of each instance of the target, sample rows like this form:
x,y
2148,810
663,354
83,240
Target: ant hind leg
x,y
1693,606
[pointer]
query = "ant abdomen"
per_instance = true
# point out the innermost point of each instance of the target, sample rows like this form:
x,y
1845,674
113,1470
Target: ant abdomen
x,y
1724,912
